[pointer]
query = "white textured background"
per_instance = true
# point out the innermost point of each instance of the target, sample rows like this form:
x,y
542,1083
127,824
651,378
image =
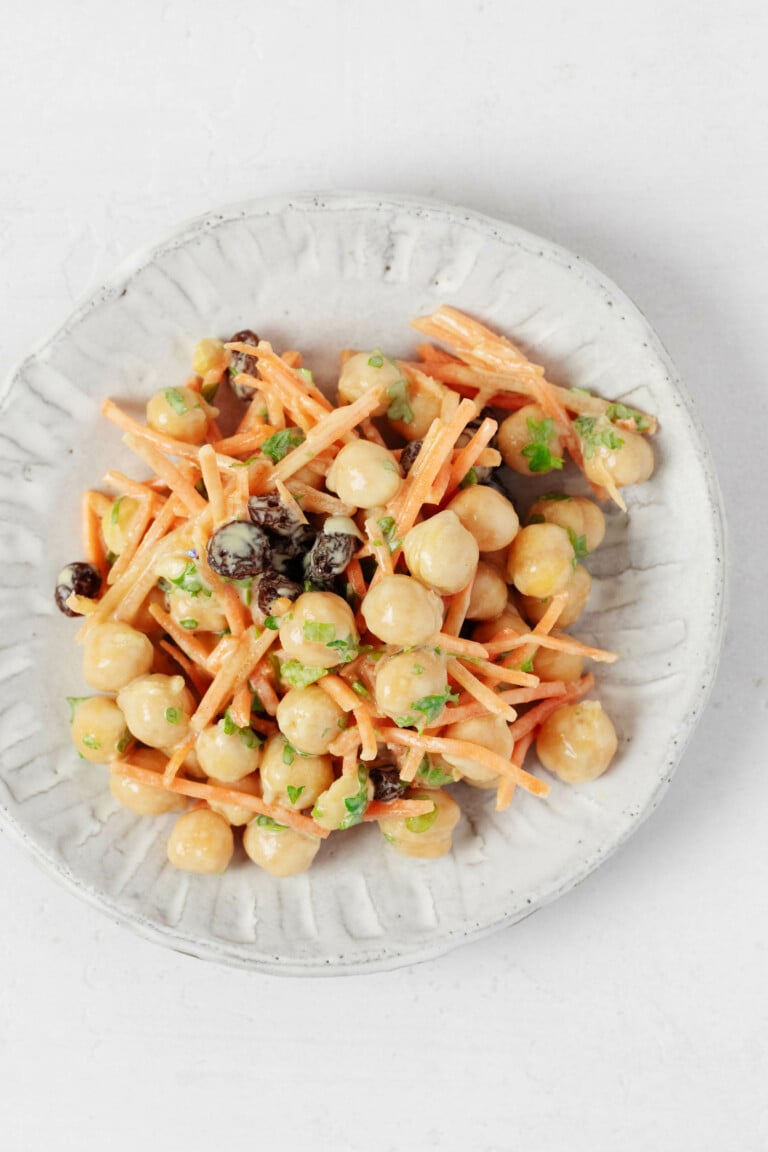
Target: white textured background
x,y
634,1012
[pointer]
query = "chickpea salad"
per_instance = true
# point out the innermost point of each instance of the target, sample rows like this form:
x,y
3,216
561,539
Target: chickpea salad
x,y
326,615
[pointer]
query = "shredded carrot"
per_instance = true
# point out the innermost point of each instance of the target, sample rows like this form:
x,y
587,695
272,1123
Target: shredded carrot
x,y
133,537
368,742
340,692
411,764
332,427
470,453
264,688
484,695
539,713
348,741
315,501
561,643
139,431
240,708
457,611
379,547
467,751
291,502
232,675
242,443
212,480
93,543
122,483
199,679
417,484
506,789
356,578
500,673
455,645
177,758
192,648
172,475
397,809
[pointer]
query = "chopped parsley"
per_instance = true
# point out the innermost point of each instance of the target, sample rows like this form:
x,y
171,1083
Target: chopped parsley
x,y
417,669
357,804
421,823
114,515
399,408
579,544
250,738
280,443
256,703
123,742
318,632
294,793
527,665
555,496
470,479
298,675
173,715
270,824
361,689
189,623
305,375
581,391
289,753
175,400
623,412
347,649
91,742
73,702
430,708
536,451
432,775
272,623
376,361
594,434
189,581
387,526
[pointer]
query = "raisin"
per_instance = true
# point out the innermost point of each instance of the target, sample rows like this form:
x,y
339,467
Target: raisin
x,y
238,550
387,784
82,579
408,455
271,586
329,555
270,513
242,362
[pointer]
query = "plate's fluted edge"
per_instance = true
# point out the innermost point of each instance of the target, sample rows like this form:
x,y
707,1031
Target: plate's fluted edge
x,y
381,959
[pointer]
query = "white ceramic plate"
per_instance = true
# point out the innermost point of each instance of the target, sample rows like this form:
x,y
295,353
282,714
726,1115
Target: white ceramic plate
x,y
322,273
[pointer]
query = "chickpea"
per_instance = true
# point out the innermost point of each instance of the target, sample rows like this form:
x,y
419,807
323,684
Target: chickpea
x,y
280,851
441,553
157,709
581,516
114,654
630,463
399,610
522,433
487,731
489,593
578,588
364,474
423,402
282,768
236,814
509,620
577,742
146,799
116,523
315,623
209,355
359,376
196,612
178,412
540,560
549,664
488,515
345,801
427,836
407,677
309,719
227,752
201,841
98,729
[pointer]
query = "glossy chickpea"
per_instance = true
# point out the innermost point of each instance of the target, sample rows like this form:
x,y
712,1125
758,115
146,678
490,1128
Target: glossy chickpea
x,y
399,610
422,403
549,664
406,677
489,732
577,742
196,612
114,654
425,837
116,523
364,474
364,371
524,444
157,709
201,841
146,799
342,804
488,515
577,588
309,719
280,851
226,752
489,593
317,621
236,814
99,730
540,561
180,413
631,462
290,779
209,355
441,553
510,620
581,516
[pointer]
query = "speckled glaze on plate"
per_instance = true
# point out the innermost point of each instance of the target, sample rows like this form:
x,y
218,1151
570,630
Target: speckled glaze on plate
x,y
321,273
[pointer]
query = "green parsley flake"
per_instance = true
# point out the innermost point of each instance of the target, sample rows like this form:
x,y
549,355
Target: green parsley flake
x,y
269,824
305,375
91,742
579,544
281,443
114,515
361,689
399,409
430,708
376,361
319,633
470,479
347,649
189,581
289,753
123,742
173,715
73,702
189,623
421,823
527,665
596,432
294,793
555,496
623,412
432,775
298,675
536,451
387,527
357,804
272,623
175,400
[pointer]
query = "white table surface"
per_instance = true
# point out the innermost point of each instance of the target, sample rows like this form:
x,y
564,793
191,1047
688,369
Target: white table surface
x,y
633,1013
